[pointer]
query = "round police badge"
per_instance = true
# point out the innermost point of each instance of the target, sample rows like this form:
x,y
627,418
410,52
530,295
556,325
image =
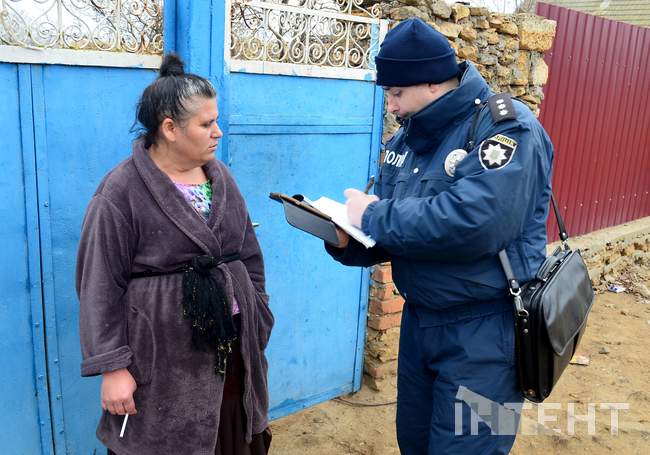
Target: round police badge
x,y
496,152
452,160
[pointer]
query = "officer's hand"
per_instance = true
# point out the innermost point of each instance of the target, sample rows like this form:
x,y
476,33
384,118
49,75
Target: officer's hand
x,y
343,239
357,201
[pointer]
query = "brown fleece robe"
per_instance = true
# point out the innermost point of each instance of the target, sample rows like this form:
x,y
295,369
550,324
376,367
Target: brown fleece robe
x,y
138,221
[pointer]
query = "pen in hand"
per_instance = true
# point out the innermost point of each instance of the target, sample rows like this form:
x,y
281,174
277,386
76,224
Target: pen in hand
x,y
370,183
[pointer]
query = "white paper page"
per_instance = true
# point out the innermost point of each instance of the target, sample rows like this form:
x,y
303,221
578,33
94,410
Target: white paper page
x,y
339,214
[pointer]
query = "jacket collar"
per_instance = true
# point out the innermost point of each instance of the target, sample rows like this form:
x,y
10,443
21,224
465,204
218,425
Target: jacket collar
x,y
173,204
428,127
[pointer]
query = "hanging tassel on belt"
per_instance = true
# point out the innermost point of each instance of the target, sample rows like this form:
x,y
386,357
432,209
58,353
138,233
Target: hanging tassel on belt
x,y
206,306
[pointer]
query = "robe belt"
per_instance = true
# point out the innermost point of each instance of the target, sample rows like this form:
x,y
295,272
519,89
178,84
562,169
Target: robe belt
x,y
202,264
206,306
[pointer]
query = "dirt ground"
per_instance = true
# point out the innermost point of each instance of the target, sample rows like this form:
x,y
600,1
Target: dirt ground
x,y
616,345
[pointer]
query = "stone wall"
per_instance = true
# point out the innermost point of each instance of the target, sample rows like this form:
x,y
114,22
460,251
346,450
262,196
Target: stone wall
x,y
508,50
612,252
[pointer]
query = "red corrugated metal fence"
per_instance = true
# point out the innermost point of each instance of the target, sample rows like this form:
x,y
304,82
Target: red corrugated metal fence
x,y
597,113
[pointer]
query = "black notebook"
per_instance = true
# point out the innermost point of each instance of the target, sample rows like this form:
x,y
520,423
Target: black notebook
x,y
319,218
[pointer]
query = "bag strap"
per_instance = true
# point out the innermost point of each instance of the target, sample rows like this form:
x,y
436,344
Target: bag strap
x,y
513,284
564,236
471,135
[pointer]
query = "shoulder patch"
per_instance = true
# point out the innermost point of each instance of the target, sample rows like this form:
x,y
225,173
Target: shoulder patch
x,y
496,152
501,107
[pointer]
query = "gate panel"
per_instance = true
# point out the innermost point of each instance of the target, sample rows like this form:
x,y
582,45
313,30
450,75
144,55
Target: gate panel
x,y
22,375
83,130
311,136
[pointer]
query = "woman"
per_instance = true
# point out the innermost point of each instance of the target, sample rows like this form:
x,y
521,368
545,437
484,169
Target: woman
x,y
170,278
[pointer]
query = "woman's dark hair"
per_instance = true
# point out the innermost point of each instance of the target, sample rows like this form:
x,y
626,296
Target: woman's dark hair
x,y
169,96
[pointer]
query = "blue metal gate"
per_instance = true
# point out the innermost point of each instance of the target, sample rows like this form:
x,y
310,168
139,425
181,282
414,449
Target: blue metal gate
x,y
25,416
314,132
66,126
310,136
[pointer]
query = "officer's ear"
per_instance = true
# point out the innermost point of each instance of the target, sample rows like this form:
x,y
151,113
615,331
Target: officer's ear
x,y
433,88
439,89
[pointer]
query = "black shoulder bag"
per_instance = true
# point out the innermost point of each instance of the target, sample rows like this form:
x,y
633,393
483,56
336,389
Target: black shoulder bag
x,y
550,315
551,309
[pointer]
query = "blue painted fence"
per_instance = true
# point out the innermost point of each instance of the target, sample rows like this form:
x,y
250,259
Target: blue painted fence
x,y
64,127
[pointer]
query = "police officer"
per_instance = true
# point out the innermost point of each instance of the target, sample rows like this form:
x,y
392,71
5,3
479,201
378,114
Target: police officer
x,y
467,175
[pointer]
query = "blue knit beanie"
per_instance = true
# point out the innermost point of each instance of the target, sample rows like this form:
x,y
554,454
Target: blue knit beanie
x,y
414,53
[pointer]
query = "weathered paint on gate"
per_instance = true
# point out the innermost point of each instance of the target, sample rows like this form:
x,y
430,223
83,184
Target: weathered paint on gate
x,y
313,136
25,403
309,136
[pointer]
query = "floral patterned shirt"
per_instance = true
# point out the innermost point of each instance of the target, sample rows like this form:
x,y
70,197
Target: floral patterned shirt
x,y
199,196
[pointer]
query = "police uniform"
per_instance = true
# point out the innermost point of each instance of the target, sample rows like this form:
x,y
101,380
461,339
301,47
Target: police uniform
x,y
463,178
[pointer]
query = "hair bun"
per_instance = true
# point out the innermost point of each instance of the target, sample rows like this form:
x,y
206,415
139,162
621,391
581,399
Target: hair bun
x,y
172,65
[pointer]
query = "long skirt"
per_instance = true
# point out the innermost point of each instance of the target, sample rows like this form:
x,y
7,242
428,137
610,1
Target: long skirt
x,y
232,427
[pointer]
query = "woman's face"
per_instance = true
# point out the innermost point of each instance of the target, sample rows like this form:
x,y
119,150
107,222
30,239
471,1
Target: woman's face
x,y
197,138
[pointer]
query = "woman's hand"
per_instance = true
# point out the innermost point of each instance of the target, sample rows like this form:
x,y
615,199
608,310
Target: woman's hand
x,y
117,392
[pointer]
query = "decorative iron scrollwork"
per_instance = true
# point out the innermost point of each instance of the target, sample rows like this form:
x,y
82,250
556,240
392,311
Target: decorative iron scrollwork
x,y
331,33
134,26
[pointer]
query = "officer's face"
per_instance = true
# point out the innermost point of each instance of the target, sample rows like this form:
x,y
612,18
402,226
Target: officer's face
x,y
406,101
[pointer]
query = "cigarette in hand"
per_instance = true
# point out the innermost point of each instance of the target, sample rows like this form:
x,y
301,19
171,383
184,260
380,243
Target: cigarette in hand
x,y
126,419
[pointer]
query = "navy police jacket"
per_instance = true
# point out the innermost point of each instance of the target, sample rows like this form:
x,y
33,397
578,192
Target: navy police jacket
x,y
446,209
